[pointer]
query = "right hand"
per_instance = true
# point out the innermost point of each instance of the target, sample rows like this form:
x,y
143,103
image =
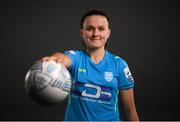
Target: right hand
x,y
59,58
56,57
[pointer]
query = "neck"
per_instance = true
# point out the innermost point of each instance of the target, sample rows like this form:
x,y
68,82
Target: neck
x,y
96,55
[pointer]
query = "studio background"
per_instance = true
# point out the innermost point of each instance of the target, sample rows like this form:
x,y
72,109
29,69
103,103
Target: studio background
x,y
144,33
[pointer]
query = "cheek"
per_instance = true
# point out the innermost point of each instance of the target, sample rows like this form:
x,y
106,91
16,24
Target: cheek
x,y
86,35
105,36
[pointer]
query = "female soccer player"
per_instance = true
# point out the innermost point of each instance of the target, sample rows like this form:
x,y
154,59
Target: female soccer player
x,y
98,75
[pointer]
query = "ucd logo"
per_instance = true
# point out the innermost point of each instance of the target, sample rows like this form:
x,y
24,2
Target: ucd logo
x,y
108,76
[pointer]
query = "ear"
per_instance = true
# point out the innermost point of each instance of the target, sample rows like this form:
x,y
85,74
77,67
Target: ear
x,y
81,32
109,33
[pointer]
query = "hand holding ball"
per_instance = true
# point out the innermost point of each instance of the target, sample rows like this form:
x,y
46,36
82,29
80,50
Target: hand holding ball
x,y
48,82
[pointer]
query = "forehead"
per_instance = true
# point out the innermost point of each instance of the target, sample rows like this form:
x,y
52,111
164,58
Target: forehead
x,y
95,20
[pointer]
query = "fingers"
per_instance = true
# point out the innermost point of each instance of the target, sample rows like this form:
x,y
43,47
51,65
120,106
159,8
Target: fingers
x,y
45,58
54,58
48,58
59,61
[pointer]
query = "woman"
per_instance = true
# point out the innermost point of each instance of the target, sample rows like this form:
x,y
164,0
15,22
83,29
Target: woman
x,y
97,75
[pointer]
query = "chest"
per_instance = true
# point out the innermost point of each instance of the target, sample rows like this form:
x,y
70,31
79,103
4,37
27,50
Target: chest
x,y
95,82
104,75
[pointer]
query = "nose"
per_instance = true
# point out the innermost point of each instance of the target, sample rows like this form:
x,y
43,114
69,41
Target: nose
x,y
95,32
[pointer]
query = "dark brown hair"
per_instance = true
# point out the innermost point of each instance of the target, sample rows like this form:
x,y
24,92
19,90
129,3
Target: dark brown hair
x,y
94,12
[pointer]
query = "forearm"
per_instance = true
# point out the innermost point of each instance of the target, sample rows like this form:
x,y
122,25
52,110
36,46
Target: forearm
x,y
129,105
132,115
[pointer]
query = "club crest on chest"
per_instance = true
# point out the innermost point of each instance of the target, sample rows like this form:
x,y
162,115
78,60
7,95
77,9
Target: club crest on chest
x,y
108,76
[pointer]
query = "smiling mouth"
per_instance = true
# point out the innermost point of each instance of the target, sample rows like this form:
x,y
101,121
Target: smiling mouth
x,y
95,39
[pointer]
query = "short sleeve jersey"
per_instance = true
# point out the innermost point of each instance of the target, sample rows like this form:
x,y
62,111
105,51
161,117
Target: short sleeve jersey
x,y
94,94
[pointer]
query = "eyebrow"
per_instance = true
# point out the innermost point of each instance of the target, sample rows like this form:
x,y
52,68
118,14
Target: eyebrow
x,y
94,26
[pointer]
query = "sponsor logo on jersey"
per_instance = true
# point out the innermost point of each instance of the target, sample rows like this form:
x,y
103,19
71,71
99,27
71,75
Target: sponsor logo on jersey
x,y
92,92
128,74
108,76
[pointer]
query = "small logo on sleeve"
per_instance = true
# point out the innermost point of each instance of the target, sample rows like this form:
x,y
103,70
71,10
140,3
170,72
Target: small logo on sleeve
x,y
128,74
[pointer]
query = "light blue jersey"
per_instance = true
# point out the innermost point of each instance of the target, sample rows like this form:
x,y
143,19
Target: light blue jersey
x,y
94,94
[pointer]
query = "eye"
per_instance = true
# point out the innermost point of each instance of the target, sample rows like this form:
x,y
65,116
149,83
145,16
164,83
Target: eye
x,y
101,28
89,28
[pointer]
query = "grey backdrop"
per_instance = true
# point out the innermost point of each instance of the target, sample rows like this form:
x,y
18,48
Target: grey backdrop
x,y
144,33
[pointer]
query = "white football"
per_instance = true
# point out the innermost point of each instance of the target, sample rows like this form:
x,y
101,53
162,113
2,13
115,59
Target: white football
x,y
48,82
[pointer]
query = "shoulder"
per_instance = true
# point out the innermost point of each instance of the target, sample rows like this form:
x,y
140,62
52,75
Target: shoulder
x,y
122,67
116,58
120,63
73,51
74,55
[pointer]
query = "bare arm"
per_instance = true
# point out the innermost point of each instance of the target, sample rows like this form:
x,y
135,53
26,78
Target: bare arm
x,y
129,104
59,58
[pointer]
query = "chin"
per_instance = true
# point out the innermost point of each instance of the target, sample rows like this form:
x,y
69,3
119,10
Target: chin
x,y
95,47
